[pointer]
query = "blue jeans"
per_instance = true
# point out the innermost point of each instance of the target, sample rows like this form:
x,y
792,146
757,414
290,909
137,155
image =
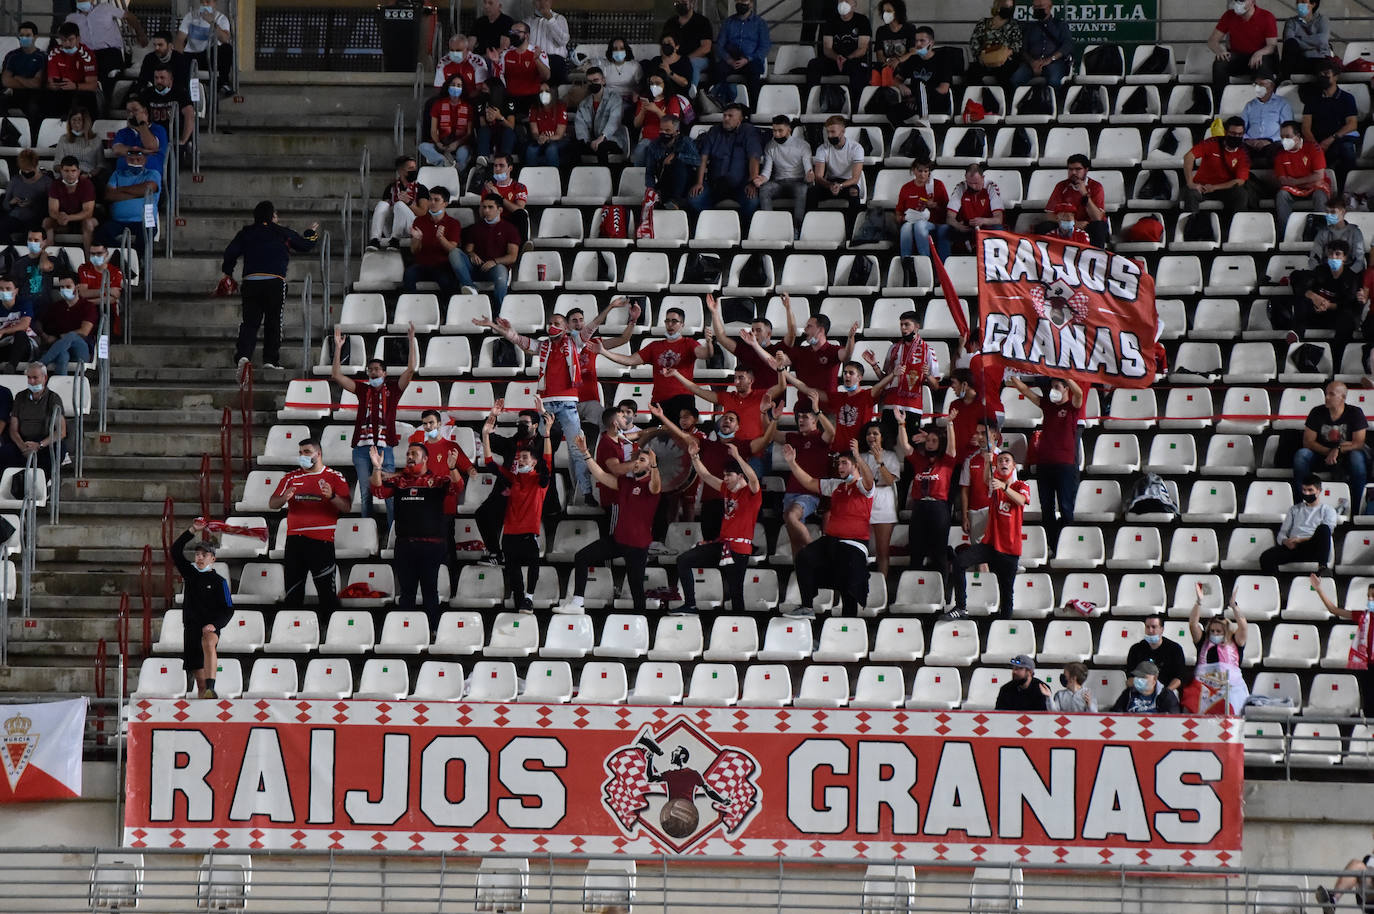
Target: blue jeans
x,y
699,65
498,275
362,466
432,156
1054,73
1356,468
708,198
571,425
914,238
71,345
503,138
551,153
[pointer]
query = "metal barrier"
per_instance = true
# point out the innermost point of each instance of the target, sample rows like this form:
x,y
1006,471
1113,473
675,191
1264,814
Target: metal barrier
x,y
169,195
90,879
102,351
205,486
246,416
346,219
169,535
226,458
146,260
398,131
81,393
306,332
326,269
55,441
145,593
28,533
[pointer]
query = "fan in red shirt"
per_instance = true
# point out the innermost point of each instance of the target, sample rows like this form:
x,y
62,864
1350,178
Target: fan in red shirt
x,y
755,348
98,273
1085,201
746,401
974,410
514,195
975,203
589,391
314,496
1056,452
1217,169
430,435
636,499
851,406
529,482
73,77
816,360
676,351
522,68
811,442
614,453
1299,172
973,483
932,461
741,496
548,122
451,125
839,559
1245,42
913,364
921,206
461,62
1000,549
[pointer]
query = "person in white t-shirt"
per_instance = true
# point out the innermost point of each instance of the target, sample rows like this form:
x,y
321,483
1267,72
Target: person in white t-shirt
x,y
838,166
201,28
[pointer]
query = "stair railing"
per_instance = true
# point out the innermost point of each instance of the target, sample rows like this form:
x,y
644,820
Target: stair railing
x,y
55,443
28,532
205,486
81,396
246,416
145,592
307,335
149,227
226,458
169,522
102,350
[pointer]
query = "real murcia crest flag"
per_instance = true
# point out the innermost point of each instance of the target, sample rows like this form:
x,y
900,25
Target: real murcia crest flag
x,y
41,754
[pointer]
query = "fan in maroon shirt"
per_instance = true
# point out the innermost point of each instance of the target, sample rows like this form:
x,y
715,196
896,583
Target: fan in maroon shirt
x,y
816,360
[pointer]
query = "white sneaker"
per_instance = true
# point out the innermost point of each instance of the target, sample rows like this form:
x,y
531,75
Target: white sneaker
x,y
468,290
657,548
273,365
570,609
243,360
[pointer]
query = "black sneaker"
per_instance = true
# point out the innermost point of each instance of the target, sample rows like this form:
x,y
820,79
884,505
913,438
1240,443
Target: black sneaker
x,y
1327,899
686,609
526,606
209,693
800,612
956,614
374,244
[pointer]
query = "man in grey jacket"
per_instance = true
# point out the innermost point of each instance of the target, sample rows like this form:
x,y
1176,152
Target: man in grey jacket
x,y
1305,534
597,120
786,170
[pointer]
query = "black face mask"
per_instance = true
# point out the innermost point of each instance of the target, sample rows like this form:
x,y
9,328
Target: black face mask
x,y
835,140
1039,14
1004,13
667,50
517,39
668,138
680,8
741,9
29,174
411,176
595,87
1063,680
908,337
1310,497
1231,142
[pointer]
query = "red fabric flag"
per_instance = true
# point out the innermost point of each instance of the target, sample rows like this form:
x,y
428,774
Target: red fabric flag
x,y
951,299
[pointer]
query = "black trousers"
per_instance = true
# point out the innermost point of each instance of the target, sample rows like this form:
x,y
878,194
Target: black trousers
x,y
224,61
602,552
17,348
522,552
833,563
578,148
491,517
708,555
416,566
316,558
711,516
1002,565
1317,549
929,541
109,67
263,301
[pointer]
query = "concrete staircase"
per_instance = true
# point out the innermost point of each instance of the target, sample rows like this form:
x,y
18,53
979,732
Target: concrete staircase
x,y
295,139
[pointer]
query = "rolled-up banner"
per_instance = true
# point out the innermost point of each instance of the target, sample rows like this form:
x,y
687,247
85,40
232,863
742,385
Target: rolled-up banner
x,y
42,750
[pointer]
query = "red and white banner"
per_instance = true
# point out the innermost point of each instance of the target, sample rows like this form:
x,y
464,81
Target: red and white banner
x,y
1054,308
42,750
749,782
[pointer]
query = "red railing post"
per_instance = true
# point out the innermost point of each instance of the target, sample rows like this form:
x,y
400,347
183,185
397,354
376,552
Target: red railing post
x,y
101,664
169,521
246,416
226,458
205,487
123,630
145,586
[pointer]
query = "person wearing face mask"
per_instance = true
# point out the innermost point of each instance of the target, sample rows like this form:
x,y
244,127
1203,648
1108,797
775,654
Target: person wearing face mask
x,y
171,107
634,500
492,513
206,606
98,277
1330,119
839,558
741,498
974,203
675,351
452,119
80,142
652,105
434,237
1000,548
913,363
1074,697
615,450
433,436
1245,43
1325,298
490,250
1145,694
548,134
549,33
205,30
932,460
622,71
142,133
65,327
974,499
675,69
1334,435
403,201
691,35
126,191
513,194
71,203
1360,660
1165,653
749,402
851,406
1306,531
846,38
23,73
266,248
786,171
597,121
815,357
419,492
1085,200
1306,39
163,54
1217,168
18,341
73,74
528,480
36,407
1056,464
560,376
35,273
1336,227
894,44
927,77
314,497
740,51
1219,685
374,426
671,163
1046,47
996,46
460,60
1264,117
522,67
838,168
921,205
99,22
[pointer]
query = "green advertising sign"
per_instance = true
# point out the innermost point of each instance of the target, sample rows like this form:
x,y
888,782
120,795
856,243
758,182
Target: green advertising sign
x,y
1129,22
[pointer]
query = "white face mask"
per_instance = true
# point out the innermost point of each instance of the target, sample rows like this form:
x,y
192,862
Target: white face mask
x,y
305,462
1259,91
888,17
655,90
844,9
1238,7
545,97
1291,143
1056,395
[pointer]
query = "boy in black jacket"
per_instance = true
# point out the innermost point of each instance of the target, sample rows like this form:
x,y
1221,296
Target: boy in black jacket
x,y
266,250
205,608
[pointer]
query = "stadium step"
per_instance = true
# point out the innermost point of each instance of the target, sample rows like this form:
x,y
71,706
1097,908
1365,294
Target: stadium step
x,y
249,185
270,148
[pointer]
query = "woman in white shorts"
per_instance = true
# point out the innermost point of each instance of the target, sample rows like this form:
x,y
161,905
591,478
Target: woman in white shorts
x,y
886,468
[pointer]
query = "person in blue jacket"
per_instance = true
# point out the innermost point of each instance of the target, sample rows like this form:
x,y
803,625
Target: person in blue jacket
x,y
740,50
266,250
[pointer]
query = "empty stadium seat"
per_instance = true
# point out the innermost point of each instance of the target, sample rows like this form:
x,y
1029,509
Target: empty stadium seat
x,y
766,685
272,678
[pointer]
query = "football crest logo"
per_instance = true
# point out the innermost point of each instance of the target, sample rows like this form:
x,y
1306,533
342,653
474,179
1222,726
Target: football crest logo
x,y
678,785
19,747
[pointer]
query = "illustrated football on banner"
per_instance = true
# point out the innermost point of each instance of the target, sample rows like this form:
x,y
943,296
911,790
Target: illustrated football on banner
x,y
748,782
1050,307
42,750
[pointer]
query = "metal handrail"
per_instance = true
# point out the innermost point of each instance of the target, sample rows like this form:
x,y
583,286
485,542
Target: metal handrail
x,y
126,294
146,263
81,393
169,521
145,594
102,349
169,195
123,632
55,464
307,336
327,268
205,485
346,219
226,458
398,130
28,532
246,416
